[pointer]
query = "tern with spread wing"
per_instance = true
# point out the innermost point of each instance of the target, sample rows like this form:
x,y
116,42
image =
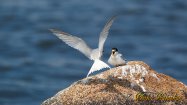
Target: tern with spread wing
x,y
79,44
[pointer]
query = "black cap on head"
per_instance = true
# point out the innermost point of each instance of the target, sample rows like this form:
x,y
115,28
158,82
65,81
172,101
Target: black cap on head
x,y
115,49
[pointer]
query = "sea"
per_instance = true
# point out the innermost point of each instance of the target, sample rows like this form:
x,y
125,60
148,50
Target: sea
x,y
35,64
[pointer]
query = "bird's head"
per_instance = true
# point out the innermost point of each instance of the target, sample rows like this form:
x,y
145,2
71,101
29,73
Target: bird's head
x,y
114,50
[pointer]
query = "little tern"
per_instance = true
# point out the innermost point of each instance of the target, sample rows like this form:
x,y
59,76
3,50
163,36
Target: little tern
x,y
80,45
116,58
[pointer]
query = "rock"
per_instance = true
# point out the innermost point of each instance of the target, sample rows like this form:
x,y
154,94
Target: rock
x,y
132,84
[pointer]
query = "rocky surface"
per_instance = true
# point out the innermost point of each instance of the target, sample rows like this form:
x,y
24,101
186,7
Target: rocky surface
x,y
135,83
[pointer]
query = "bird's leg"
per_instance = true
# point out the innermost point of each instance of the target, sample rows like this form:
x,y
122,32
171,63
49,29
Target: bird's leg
x,y
116,65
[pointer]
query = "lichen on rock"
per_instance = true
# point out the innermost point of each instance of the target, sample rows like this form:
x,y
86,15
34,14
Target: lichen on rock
x,y
135,83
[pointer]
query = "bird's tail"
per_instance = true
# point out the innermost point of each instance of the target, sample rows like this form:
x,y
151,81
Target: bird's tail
x,y
98,65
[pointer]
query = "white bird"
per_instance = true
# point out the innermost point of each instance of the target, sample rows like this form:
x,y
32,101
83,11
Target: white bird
x,y
116,58
79,44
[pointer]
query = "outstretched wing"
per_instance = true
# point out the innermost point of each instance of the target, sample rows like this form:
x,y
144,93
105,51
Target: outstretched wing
x,y
104,33
73,41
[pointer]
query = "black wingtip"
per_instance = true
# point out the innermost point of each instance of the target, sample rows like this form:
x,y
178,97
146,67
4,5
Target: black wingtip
x,y
114,16
52,30
55,31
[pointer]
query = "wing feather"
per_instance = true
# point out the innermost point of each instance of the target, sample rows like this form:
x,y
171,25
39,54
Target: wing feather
x,y
104,33
73,41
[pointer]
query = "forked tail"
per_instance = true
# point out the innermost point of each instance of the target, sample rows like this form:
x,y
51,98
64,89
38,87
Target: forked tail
x,y
98,65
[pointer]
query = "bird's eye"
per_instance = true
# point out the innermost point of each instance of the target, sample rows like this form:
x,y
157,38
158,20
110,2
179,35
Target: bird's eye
x,y
103,51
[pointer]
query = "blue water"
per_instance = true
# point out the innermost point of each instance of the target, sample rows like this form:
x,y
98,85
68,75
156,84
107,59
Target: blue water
x,y
34,64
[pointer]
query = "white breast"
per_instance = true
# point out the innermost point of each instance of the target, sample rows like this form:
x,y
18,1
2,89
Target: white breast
x,y
116,59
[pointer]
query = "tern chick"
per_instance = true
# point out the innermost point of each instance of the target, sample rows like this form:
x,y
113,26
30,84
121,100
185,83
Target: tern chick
x,y
79,44
116,58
